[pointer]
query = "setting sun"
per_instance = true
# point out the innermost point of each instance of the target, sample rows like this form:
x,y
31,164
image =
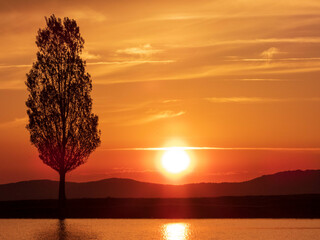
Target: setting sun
x,y
175,160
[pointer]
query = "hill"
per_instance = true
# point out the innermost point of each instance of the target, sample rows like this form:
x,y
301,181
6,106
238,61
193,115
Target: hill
x,y
282,183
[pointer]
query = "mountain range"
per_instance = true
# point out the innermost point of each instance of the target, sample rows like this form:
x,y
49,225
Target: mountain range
x,y
282,183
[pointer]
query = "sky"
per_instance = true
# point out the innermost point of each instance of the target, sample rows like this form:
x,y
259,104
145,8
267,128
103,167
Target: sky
x,y
237,81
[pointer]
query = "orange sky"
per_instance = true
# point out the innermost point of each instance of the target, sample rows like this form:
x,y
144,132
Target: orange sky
x,y
230,74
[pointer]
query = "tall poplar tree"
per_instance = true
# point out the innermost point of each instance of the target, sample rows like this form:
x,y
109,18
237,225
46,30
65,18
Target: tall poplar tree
x,y
61,123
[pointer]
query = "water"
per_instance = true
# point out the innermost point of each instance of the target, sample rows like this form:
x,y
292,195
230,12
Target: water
x,y
180,229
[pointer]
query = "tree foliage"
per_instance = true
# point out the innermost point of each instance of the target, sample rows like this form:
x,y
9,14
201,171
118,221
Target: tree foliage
x,y
61,123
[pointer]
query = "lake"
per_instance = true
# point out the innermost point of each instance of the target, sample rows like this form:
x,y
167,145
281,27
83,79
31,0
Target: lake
x,y
179,229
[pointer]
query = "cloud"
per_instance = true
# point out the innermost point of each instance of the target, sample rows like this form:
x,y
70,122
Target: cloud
x,y
134,107
274,40
216,15
248,71
119,108
146,118
212,148
16,122
260,79
259,100
16,66
269,53
168,114
303,59
145,50
130,62
249,41
173,17
139,113
171,100
157,116
87,15
86,55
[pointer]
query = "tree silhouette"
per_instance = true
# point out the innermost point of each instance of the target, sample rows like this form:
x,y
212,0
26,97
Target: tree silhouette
x,y
61,123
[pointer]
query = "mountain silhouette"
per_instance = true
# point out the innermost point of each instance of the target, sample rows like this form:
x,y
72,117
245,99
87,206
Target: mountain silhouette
x,y
282,183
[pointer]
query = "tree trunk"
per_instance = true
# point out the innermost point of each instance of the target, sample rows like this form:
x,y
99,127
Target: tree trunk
x,y
62,195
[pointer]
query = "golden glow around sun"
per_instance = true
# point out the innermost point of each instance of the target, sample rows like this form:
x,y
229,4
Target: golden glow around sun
x,y
175,160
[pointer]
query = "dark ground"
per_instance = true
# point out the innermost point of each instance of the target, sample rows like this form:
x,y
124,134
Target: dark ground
x,y
291,206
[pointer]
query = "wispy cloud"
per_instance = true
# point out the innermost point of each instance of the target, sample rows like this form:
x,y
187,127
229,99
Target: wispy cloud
x,y
143,117
272,40
219,16
182,16
145,50
250,41
270,53
133,62
259,99
15,66
275,59
260,79
114,108
14,123
211,148
88,56
171,100
87,15
156,116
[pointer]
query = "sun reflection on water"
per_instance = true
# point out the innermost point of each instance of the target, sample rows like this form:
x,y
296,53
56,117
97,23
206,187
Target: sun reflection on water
x,y
175,231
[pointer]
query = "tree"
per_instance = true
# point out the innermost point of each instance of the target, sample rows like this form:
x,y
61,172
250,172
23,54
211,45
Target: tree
x,y
61,123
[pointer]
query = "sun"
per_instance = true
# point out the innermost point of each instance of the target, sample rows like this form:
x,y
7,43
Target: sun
x,y
175,160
